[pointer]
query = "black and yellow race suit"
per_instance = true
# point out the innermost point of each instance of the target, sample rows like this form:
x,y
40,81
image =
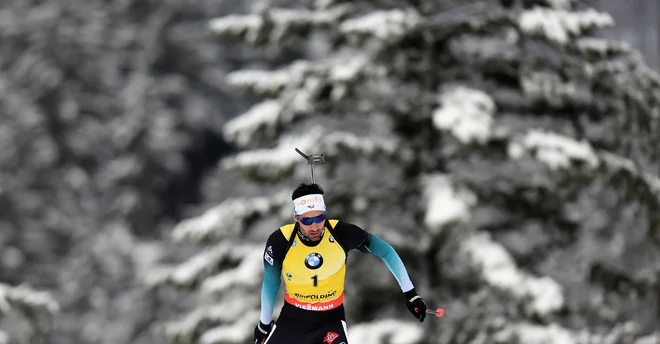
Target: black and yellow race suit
x,y
314,275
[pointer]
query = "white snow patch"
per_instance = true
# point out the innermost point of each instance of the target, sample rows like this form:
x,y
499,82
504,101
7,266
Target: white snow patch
x,y
536,334
498,269
555,150
561,4
389,25
24,297
226,219
558,25
236,332
390,330
247,273
467,113
314,141
445,203
241,129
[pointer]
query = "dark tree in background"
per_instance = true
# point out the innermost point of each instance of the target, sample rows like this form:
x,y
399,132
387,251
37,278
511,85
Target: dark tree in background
x,y
110,118
508,152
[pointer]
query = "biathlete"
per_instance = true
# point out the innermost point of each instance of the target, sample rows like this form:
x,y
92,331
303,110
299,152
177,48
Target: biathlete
x,y
310,255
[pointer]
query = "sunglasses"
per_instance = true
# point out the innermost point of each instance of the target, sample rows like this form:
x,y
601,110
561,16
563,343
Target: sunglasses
x,y
309,220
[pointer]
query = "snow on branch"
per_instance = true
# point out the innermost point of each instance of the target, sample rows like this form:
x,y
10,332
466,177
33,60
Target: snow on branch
x,y
386,330
262,116
536,334
336,69
226,220
236,332
244,27
559,25
529,333
272,162
235,315
191,271
4,337
561,4
467,113
201,267
621,163
32,303
271,82
301,80
275,23
557,151
560,152
499,270
549,87
246,274
602,47
445,203
387,25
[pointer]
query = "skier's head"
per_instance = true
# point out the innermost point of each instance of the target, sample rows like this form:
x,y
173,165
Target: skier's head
x,y
309,209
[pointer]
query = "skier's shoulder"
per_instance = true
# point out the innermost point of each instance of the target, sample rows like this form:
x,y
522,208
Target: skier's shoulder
x,y
349,234
276,245
343,226
278,236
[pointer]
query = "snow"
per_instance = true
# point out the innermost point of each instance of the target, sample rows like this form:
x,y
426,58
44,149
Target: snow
x,y
615,161
24,297
445,203
601,46
226,219
650,339
245,274
237,25
294,85
313,141
561,4
237,332
555,150
389,25
204,264
552,333
536,334
345,70
236,320
376,332
299,17
4,337
186,273
264,81
467,113
241,129
498,269
558,25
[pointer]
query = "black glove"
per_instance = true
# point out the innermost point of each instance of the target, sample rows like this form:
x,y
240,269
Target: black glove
x,y
261,332
415,304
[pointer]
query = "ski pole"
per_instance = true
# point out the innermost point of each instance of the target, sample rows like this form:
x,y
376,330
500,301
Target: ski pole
x,y
311,159
438,312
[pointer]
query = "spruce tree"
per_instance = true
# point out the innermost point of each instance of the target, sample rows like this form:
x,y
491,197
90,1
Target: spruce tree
x,y
35,307
506,150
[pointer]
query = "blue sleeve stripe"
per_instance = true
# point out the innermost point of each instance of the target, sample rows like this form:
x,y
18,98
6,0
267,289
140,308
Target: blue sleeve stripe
x,y
269,289
386,252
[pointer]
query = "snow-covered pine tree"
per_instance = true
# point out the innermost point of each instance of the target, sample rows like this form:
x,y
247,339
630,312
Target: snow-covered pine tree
x,y
503,148
37,307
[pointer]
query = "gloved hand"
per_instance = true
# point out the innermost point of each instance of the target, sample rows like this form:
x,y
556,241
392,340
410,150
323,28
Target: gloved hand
x,y
261,332
415,304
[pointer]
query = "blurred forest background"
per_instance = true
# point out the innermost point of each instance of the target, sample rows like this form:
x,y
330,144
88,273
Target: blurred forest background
x,y
147,152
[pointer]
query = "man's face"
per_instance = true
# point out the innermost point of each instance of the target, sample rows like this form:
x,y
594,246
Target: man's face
x,y
314,230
